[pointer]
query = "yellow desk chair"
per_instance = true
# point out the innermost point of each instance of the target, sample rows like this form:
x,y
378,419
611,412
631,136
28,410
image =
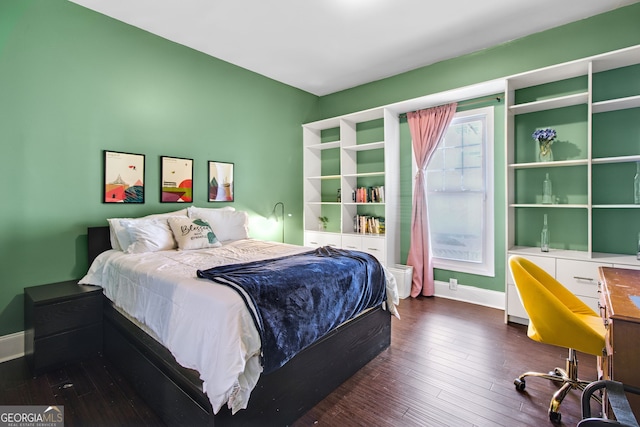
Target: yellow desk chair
x,y
557,317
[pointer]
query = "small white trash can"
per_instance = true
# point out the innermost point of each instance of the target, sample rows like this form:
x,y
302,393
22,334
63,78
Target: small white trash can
x,y
404,276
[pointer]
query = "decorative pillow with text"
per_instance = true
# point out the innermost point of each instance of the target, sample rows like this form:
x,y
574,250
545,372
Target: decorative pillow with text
x,y
193,233
227,224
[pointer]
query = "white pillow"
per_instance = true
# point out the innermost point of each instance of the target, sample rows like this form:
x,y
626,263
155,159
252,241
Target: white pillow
x,y
226,224
181,212
148,235
117,233
120,237
193,233
193,211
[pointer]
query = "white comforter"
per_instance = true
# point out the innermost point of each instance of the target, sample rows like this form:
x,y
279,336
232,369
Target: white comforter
x,y
206,327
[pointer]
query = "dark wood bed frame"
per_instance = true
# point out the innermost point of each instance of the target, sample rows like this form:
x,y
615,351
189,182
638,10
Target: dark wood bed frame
x,y
175,393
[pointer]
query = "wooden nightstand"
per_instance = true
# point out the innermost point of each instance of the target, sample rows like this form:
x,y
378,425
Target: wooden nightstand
x,y
62,322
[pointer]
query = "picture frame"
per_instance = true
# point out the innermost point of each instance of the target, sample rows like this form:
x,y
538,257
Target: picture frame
x,y
220,184
123,177
176,178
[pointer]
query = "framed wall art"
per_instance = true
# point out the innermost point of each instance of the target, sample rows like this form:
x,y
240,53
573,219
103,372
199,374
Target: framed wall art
x,y
176,176
123,180
220,182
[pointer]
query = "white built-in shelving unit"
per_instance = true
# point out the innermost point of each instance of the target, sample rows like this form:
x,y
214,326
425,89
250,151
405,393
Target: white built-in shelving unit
x,y
594,104
345,173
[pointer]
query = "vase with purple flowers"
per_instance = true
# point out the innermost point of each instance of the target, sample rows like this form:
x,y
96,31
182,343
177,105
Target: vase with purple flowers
x,y
544,138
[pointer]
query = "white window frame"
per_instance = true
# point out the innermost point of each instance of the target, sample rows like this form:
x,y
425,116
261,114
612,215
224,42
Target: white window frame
x,y
487,266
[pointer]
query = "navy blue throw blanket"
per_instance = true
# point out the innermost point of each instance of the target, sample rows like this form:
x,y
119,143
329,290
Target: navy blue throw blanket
x,y
299,298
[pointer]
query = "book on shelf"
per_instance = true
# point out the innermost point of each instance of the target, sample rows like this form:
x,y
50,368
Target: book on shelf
x,y
369,194
365,224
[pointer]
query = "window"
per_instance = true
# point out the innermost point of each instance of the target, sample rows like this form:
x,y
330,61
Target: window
x,y
459,190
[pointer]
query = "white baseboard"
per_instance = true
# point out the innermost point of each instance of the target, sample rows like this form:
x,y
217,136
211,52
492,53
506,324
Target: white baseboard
x,y
11,346
471,294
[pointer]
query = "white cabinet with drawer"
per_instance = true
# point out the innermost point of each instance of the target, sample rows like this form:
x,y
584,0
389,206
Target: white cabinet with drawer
x,y
581,278
373,245
578,276
316,239
352,242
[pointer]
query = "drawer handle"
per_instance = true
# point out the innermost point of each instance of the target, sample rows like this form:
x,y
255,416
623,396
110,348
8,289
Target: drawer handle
x,y
373,249
314,243
352,247
589,279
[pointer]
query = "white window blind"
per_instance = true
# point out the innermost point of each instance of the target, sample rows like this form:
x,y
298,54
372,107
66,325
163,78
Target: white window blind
x,y
460,195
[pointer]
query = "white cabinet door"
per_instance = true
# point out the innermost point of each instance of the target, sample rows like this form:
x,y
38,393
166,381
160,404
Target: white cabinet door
x,y
514,306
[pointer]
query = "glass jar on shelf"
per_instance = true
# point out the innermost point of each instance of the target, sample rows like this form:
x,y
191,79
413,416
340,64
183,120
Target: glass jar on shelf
x,y
544,236
547,197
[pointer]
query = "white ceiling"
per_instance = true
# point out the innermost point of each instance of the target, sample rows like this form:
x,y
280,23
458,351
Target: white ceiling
x,y
324,46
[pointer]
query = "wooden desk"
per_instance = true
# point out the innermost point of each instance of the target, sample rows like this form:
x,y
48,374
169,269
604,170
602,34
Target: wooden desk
x,y
620,309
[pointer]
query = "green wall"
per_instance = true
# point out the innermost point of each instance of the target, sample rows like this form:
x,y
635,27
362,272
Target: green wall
x,y
601,33
73,83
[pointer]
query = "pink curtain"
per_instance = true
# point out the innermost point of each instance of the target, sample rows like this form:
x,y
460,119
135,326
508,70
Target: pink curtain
x,y
427,129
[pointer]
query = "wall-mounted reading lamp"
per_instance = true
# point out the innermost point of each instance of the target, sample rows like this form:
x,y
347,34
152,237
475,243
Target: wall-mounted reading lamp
x,y
274,215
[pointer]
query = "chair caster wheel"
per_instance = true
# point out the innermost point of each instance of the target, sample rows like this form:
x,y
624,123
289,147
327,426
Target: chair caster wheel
x,y
555,417
520,384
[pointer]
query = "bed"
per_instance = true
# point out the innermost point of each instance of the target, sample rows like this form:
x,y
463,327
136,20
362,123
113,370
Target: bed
x,y
280,397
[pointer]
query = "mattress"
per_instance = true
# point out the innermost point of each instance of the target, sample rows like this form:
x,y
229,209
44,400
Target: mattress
x,y
207,327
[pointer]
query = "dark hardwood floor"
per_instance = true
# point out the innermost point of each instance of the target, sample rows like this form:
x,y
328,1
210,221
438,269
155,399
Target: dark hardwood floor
x,y
449,364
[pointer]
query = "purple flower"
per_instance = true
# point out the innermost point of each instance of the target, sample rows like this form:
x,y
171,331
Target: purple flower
x,y
544,135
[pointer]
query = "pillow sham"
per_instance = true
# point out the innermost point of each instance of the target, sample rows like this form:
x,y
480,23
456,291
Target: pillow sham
x,y
117,233
193,233
148,235
181,212
119,237
193,211
226,224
